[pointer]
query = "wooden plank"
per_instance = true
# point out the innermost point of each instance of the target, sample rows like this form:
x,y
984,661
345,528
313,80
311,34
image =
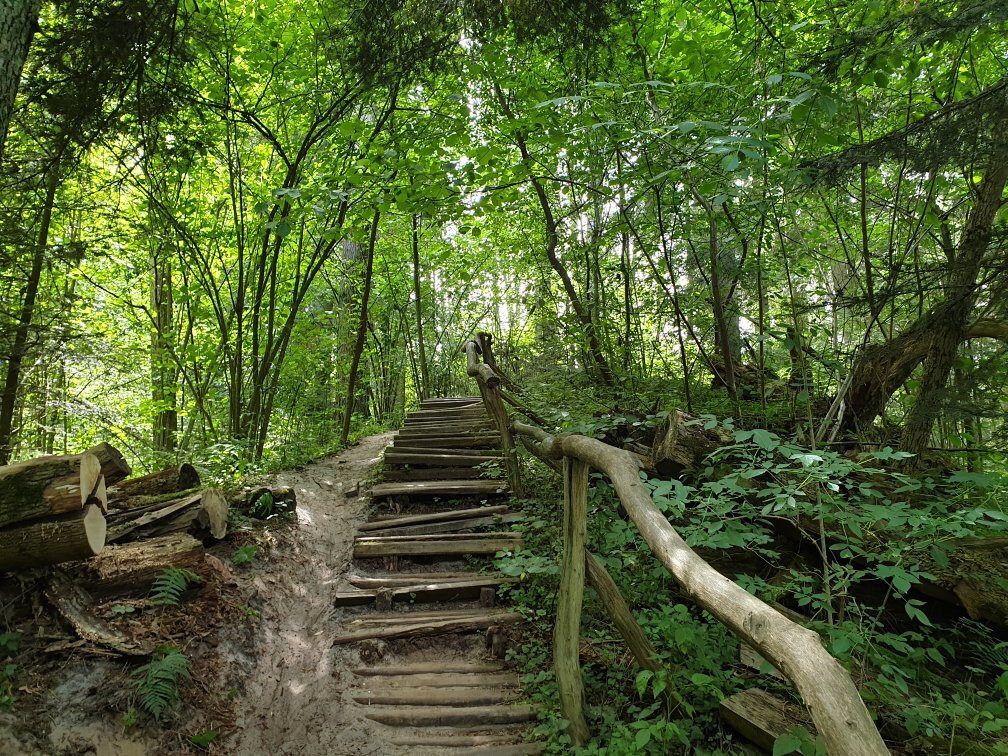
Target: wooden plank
x,y
407,448
449,413
468,669
446,716
427,627
453,525
423,696
394,457
381,538
751,658
397,474
442,547
473,441
453,590
439,488
447,429
451,740
442,516
399,579
447,679
570,596
762,717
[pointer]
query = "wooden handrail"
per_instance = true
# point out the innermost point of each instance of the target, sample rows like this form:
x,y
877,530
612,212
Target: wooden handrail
x,y
824,685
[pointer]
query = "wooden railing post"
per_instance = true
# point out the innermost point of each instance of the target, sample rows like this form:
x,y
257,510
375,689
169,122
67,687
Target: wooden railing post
x,y
489,386
567,631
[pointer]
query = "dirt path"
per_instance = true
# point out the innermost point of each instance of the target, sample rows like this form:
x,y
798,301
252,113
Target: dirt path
x,y
288,690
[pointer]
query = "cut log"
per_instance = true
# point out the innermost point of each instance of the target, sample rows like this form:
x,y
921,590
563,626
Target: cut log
x,y
451,741
63,538
47,486
130,569
682,442
441,547
113,465
440,488
74,605
204,514
762,718
436,716
171,480
432,625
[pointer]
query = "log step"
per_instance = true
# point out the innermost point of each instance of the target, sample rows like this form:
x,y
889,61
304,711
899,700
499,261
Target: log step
x,y
396,474
438,545
400,579
452,740
427,459
422,624
417,695
439,667
436,679
440,488
452,525
472,441
380,523
456,590
407,448
447,716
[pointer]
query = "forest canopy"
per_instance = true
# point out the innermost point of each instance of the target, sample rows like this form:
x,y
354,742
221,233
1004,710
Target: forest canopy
x,y
245,229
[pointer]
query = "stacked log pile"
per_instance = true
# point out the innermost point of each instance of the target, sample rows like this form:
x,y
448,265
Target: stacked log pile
x,y
52,509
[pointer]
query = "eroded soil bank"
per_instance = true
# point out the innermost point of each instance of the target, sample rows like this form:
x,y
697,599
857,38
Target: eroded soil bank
x,y
265,676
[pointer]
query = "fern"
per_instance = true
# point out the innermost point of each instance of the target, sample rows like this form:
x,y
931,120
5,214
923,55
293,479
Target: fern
x,y
171,584
157,680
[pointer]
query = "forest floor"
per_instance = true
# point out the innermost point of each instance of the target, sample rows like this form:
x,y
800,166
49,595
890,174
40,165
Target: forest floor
x,y
266,675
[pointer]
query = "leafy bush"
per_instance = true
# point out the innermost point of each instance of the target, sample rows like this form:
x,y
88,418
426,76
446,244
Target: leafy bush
x,y
244,555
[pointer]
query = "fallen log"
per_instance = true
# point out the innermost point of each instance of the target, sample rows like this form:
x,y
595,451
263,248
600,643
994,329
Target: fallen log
x,y
74,603
131,568
682,442
63,538
171,480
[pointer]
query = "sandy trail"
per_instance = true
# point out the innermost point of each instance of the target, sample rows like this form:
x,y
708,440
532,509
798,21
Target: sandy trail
x,y
289,689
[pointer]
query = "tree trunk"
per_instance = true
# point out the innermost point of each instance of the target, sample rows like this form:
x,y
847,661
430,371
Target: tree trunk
x,y
18,21
172,480
164,391
424,388
361,331
960,298
8,400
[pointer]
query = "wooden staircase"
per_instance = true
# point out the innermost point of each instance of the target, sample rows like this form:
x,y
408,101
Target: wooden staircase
x,y
441,512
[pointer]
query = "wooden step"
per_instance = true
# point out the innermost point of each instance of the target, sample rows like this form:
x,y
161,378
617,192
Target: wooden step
x,y
453,526
437,401
394,521
440,488
437,546
393,457
459,413
447,428
436,667
451,740
434,473
471,441
423,624
399,579
447,679
407,448
763,717
446,716
453,590
387,695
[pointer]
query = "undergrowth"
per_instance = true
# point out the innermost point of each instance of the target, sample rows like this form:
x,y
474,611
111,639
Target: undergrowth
x,y
848,540
157,681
